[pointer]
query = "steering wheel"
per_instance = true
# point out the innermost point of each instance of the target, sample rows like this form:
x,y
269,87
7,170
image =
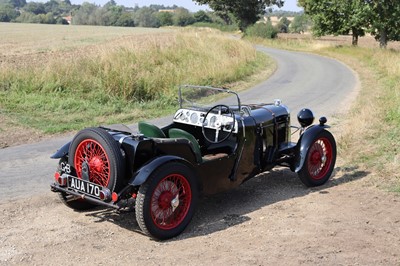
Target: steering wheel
x,y
219,123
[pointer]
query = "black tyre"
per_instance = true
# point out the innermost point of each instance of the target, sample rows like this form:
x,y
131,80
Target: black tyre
x,y
320,160
96,150
167,201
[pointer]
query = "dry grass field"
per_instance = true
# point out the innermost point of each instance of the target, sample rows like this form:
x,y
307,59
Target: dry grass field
x,y
55,78
22,39
35,44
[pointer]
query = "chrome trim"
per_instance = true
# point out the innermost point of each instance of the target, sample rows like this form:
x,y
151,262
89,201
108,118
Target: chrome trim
x,y
121,140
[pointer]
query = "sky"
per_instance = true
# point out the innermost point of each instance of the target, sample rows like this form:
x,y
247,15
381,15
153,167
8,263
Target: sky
x,y
290,5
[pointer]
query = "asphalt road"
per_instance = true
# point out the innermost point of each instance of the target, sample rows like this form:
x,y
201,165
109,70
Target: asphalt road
x,y
301,80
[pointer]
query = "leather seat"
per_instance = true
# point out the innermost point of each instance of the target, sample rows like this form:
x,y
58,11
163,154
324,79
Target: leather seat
x,y
150,130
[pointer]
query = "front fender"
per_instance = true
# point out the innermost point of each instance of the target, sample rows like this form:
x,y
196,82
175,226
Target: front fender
x,y
141,175
61,152
305,142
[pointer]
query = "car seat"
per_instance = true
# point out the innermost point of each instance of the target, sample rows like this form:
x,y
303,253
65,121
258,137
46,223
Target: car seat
x,y
150,130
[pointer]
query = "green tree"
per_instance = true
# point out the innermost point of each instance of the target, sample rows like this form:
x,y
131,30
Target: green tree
x,y
300,24
27,17
35,8
110,3
165,18
202,16
262,30
182,17
246,12
7,13
85,15
13,3
64,8
52,6
113,13
283,25
337,17
146,17
223,18
125,20
46,18
384,20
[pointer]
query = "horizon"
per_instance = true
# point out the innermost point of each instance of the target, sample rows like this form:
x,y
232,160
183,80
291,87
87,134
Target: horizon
x,y
290,5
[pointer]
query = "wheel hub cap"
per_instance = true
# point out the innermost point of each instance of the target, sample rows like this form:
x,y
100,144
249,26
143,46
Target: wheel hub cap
x,y
92,163
96,164
316,158
165,200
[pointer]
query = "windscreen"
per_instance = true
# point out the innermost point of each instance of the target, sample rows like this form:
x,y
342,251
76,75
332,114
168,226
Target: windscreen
x,y
203,97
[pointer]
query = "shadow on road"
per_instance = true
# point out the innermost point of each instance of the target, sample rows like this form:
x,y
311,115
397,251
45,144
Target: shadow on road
x,y
219,212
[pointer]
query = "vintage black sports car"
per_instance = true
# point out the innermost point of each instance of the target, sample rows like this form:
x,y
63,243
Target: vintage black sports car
x,y
160,172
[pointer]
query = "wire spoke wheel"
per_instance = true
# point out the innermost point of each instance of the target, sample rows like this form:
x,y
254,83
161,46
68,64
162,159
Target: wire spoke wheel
x,y
167,200
95,156
320,160
170,201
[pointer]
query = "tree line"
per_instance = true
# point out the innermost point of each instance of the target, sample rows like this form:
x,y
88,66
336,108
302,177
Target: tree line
x,y
381,18
111,14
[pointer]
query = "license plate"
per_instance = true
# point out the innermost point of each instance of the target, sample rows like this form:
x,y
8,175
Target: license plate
x,y
84,186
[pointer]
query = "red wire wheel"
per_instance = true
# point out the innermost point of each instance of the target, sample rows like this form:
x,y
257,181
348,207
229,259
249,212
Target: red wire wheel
x,y
97,152
92,153
167,200
320,160
170,201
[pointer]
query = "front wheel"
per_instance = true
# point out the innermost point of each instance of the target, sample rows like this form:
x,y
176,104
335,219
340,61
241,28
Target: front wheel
x,y
320,160
166,202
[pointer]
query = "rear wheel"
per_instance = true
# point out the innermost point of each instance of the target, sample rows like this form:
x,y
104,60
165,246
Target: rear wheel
x,y
96,157
320,160
167,200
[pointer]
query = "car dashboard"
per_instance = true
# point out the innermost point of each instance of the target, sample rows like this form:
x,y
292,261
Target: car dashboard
x,y
213,121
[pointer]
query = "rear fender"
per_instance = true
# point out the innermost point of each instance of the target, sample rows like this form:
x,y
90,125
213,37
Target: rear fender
x,y
304,144
141,175
61,152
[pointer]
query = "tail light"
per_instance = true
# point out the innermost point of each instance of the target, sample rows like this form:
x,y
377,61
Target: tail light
x,y
61,180
105,194
114,197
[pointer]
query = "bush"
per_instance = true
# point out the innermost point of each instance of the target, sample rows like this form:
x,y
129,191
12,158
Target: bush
x,y
262,30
